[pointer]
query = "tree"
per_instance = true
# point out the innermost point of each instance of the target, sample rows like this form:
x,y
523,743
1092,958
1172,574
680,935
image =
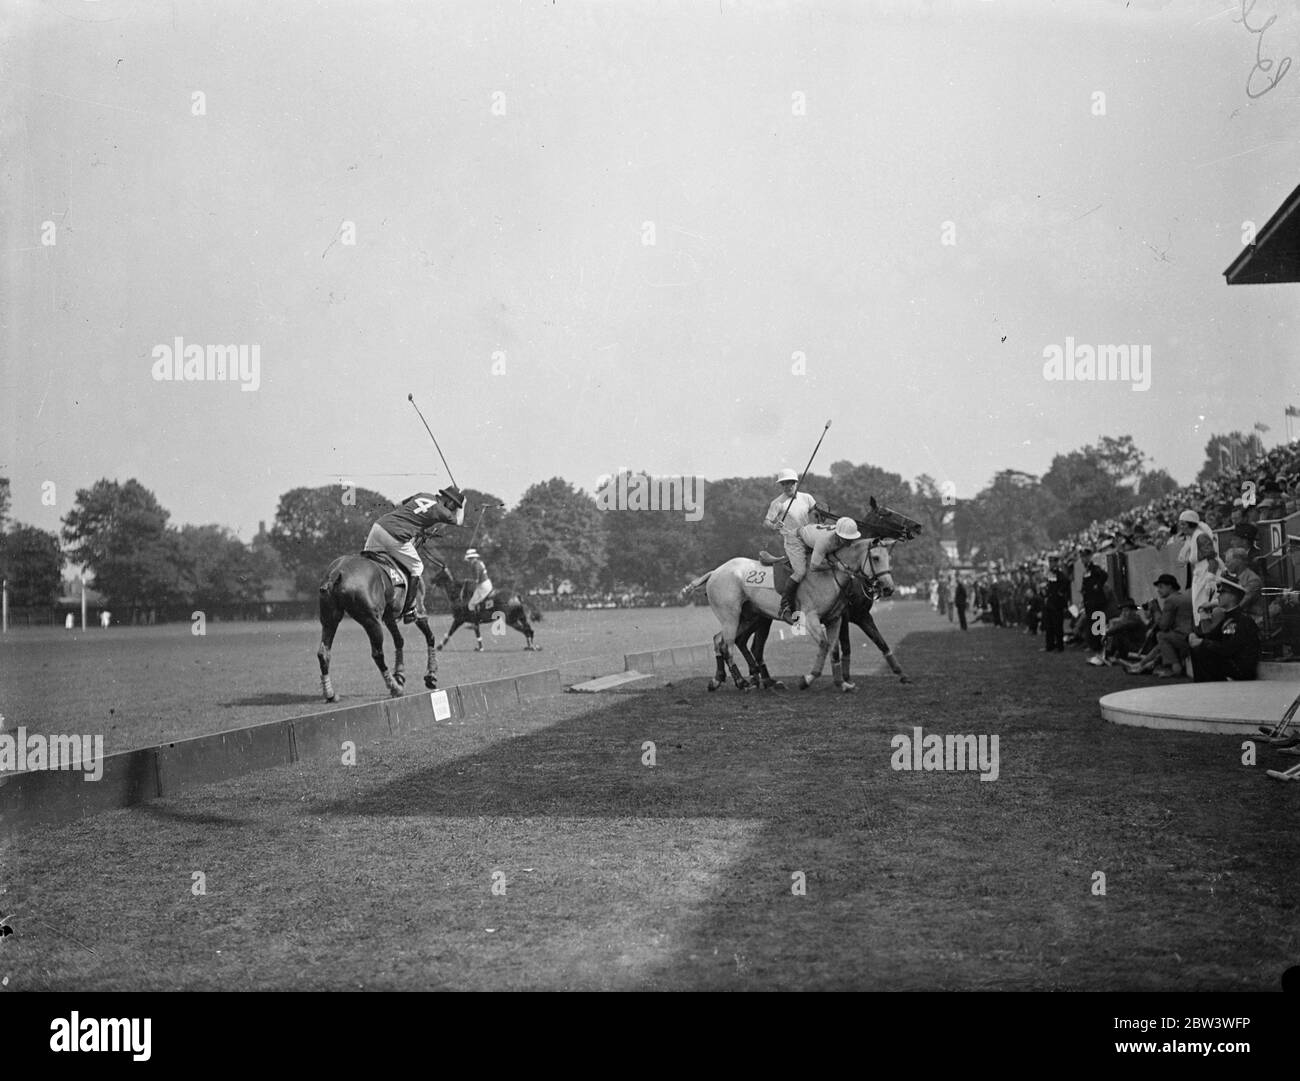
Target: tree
x,y
1226,453
119,532
4,504
554,534
32,564
314,526
655,550
217,568
1007,520
1155,485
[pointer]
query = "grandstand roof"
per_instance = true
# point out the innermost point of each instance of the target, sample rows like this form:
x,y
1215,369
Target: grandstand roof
x,y
1275,255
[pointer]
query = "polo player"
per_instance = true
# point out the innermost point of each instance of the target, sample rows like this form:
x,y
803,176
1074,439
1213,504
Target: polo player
x,y
394,534
788,513
821,541
482,583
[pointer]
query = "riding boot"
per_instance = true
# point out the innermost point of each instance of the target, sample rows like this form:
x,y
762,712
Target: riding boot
x,y
788,601
415,602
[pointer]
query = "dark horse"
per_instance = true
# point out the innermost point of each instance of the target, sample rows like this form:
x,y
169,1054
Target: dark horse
x,y
507,602
757,626
361,587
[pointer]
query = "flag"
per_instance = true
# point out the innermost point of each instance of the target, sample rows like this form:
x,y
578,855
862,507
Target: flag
x,y
1292,411
1259,427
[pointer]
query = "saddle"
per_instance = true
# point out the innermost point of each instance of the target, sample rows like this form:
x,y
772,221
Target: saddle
x,y
395,570
780,569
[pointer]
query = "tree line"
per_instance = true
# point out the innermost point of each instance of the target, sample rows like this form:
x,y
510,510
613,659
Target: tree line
x,y
559,533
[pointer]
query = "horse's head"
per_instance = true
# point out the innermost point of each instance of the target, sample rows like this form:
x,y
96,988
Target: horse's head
x,y
868,559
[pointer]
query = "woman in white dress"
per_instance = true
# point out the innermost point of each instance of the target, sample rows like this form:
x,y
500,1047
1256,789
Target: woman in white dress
x,y
1200,551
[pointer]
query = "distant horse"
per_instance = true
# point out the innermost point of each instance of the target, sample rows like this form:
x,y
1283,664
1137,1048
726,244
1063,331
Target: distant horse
x,y
507,602
820,598
857,612
363,588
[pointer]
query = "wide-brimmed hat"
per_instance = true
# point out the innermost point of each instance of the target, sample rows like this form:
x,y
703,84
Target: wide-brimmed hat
x,y
1230,581
785,475
1167,580
452,495
847,529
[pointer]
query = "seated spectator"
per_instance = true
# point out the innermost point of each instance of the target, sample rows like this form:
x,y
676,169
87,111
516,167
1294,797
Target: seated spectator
x,y
1124,635
1172,628
1252,603
1227,645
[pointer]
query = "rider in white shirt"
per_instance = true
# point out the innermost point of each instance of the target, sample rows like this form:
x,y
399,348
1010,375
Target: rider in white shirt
x,y
788,513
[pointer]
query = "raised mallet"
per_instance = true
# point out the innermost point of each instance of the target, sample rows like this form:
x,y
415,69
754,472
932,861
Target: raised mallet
x,y
799,483
411,398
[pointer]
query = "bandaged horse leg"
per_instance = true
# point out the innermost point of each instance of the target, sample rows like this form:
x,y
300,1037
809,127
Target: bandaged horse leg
x,y
720,676
840,660
375,632
822,635
868,624
399,667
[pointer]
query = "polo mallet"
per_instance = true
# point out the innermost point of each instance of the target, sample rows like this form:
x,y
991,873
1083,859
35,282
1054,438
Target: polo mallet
x,y
1277,734
411,398
482,511
799,483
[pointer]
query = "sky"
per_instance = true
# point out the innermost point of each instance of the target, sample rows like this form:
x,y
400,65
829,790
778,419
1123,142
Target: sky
x,y
678,237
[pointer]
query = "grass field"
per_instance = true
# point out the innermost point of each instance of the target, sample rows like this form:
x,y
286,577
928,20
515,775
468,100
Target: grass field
x,y
619,875
146,685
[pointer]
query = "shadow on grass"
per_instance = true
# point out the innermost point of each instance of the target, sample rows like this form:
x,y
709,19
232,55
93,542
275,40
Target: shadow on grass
x,y
841,872
273,698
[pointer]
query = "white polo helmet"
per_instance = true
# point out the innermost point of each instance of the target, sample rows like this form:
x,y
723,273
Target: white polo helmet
x,y
471,553
785,475
847,529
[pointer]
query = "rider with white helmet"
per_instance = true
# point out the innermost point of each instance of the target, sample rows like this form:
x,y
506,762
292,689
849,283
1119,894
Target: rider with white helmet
x,y
788,513
823,540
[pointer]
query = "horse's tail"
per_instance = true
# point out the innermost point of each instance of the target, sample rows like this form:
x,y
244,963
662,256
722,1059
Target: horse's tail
x,y
687,590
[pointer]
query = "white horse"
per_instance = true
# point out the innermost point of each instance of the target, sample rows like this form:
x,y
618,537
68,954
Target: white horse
x,y
819,598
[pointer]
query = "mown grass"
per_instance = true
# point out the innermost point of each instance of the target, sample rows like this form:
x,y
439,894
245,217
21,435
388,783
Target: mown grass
x,y
678,876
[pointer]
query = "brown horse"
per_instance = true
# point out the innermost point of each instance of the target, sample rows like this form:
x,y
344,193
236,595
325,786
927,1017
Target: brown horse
x,y
361,587
501,605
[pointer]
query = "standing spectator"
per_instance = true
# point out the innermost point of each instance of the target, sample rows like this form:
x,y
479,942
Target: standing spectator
x,y
959,602
1227,646
995,603
1200,551
1093,588
1033,602
944,597
1056,598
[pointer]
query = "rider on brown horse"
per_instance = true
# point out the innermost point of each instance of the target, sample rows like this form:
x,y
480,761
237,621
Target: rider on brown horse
x,y
394,533
482,583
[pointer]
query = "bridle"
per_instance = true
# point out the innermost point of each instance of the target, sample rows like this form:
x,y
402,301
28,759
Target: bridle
x,y
869,579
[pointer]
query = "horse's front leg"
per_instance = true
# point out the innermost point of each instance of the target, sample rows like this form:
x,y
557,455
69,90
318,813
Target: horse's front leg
x,y
822,635
844,653
431,642
720,676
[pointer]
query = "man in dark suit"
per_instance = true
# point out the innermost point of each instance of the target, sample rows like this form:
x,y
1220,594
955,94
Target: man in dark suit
x,y
1056,599
1227,646
959,602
